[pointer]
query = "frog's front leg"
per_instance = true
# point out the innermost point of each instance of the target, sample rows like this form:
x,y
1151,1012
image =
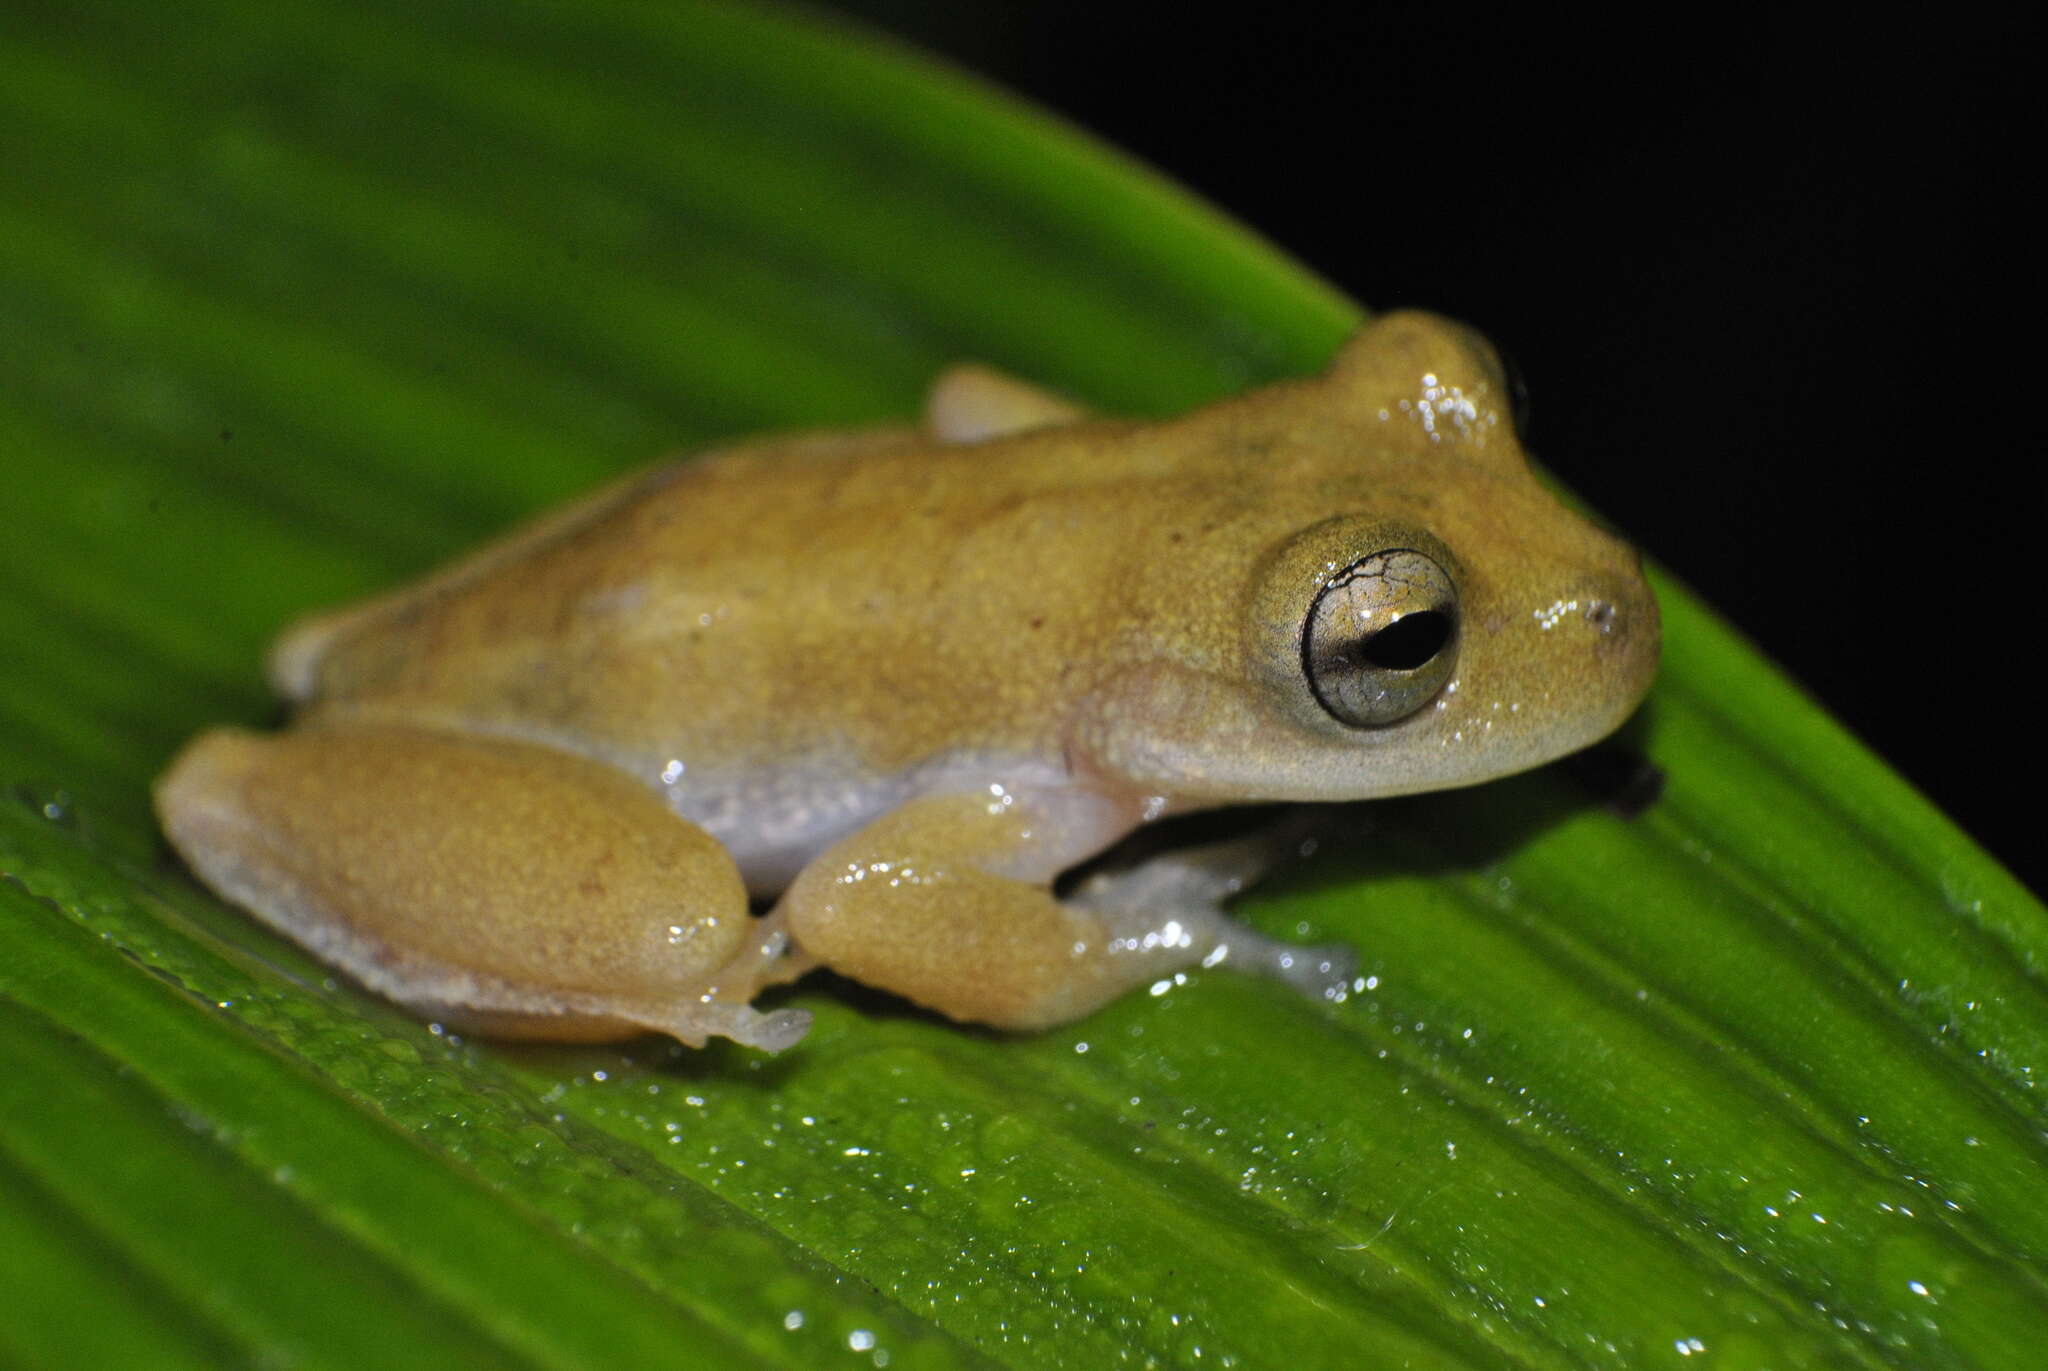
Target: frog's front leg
x,y
515,889
947,902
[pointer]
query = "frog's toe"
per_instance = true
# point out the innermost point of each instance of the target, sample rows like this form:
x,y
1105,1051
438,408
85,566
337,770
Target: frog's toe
x,y
1181,879
1324,971
771,1032
1174,900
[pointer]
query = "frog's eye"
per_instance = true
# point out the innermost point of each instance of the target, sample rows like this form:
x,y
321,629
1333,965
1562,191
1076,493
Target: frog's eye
x,y
1382,637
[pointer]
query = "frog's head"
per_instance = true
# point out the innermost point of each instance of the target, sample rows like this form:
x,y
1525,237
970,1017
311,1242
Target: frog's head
x,y
1418,611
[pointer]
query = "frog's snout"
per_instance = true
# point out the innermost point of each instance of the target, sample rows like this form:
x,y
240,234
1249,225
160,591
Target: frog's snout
x,y
1617,615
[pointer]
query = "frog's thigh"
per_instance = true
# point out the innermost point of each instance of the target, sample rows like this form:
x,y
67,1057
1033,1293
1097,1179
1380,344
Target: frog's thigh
x,y
920,903
515,888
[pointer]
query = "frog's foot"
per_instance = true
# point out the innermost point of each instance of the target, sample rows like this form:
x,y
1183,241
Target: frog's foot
x,y
693,1022
721,1009
717,1009
771,1032
493,885
613,1019
971,404
945,902
1177,897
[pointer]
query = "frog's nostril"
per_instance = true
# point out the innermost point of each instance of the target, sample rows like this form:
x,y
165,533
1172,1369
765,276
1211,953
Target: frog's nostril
x,y
1602,615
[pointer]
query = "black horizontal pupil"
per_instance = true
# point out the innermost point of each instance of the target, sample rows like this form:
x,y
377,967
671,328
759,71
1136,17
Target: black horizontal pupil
x,y
1408,642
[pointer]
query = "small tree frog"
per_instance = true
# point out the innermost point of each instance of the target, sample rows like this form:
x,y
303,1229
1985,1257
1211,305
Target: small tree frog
x,y
898,680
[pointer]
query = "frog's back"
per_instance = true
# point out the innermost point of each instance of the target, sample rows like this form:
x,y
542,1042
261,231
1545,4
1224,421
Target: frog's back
x,y
766,600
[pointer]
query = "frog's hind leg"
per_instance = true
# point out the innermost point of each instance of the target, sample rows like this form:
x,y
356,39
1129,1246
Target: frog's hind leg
x,y
946,902
515,888
969,404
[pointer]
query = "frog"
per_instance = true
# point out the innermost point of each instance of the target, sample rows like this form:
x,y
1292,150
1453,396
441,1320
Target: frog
x,y
868,699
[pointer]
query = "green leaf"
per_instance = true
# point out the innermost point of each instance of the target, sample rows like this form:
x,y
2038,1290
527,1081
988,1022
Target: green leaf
x,y
297,300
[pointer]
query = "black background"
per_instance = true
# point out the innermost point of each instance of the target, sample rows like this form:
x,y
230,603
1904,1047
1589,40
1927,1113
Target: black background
x,y
1773,291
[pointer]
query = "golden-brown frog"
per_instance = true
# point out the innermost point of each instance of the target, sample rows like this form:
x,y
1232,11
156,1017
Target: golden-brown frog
x,y
902,679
